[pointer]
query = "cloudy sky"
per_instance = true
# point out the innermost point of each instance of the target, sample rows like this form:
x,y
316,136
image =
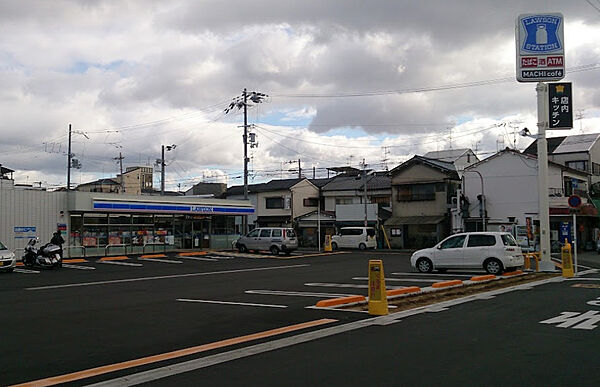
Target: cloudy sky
x,y
346,79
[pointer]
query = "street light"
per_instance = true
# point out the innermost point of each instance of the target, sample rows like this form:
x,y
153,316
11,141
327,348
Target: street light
x,y
162,167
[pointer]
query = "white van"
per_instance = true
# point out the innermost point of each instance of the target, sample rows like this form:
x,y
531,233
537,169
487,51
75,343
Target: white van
x,y
274,239
354,238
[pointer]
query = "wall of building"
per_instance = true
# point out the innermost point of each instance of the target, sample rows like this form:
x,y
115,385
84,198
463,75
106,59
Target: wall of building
x,y
303,190
510,186
41,209
262,209
419,174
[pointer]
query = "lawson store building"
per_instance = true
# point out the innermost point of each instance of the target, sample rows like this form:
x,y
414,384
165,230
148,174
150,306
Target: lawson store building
x,y
107,224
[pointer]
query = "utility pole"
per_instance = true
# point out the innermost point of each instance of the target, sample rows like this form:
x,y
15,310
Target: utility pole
x,y
314,172
120,158
162,167
69,162
240,102
364,176
299,170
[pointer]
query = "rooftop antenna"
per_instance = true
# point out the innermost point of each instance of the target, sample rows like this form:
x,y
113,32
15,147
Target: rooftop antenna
x,y
579,116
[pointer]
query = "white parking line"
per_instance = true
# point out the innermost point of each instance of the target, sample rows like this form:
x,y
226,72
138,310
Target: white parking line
x,y
301,294
121,263
232,303
399,279
355,286
197,258
71,266
26,271
439,274
160,260
165,277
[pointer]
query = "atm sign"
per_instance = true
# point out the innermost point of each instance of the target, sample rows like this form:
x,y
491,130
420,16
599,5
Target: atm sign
x,y
543,61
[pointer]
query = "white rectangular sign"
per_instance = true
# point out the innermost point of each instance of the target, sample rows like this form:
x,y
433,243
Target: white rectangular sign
x,y
540,47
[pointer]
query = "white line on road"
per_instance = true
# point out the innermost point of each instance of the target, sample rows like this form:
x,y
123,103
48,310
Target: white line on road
x,y
399,279
232,303
71,266
165,277
583,279
197,258
438,274
223,357
26,271
301,294
121,263
355,286
160,260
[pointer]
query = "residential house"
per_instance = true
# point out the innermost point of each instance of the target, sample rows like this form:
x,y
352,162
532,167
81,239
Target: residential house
x,y
101,185
422,192
581,152
461,158
207,189
136,180
507,181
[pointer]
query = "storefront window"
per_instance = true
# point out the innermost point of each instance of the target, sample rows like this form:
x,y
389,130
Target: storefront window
x,y
76,226
223,225
143,219
119,219
93,219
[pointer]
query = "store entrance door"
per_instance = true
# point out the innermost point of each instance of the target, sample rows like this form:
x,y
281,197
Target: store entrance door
x,y
201,233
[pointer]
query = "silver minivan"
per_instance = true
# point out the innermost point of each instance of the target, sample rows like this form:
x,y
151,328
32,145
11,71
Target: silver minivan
x,y
274,239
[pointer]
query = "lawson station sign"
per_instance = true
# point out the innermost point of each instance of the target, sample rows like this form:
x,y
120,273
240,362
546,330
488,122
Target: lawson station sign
x,y
175,208
540,47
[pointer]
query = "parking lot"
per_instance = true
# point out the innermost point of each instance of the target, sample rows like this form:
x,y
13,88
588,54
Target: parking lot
x,y
101,312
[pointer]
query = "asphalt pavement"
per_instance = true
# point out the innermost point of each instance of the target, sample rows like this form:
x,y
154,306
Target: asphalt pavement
x,y
249,320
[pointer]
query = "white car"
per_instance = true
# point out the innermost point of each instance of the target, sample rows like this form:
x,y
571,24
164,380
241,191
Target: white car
x,y
494,252
8,261
354,238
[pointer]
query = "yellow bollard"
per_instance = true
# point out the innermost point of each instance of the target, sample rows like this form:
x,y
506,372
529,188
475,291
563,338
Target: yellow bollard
x,y
327,247
567,262
378,305
526,261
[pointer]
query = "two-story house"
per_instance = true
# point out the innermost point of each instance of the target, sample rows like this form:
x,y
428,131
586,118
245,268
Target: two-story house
x,y
422,192
581,152
507,181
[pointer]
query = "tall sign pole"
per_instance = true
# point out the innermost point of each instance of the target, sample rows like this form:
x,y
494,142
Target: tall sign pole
x,y
540,58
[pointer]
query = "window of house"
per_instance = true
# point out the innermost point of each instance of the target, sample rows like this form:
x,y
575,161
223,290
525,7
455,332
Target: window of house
x,y
396,232
579,165
274,202
343,200
311,202
595,169
416,192
481,240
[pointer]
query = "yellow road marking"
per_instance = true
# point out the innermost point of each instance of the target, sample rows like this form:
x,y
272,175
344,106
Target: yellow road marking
x,y
169,355
154,256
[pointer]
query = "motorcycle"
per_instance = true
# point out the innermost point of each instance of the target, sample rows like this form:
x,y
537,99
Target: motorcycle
x,y
47,256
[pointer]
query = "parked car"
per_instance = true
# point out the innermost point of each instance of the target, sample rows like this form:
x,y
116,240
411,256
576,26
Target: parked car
x,y
354,238
274,239
494,252
8,261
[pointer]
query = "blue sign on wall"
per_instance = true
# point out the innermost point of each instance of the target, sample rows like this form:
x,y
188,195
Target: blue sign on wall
x,y
565,232
541,34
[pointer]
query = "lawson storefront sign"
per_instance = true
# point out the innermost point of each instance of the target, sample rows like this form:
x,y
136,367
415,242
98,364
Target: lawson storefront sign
x,y
176,208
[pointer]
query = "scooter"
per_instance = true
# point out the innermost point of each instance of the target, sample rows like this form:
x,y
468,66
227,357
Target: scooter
x,y
47,256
